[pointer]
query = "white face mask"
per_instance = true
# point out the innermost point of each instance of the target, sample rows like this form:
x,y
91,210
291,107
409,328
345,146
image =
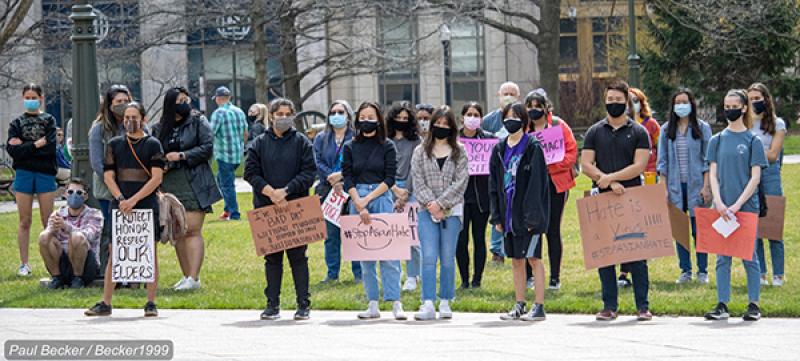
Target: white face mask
x,y
506,100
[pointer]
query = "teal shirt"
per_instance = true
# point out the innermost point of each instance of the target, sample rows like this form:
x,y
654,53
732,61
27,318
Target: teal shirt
x,y
735,155
228,123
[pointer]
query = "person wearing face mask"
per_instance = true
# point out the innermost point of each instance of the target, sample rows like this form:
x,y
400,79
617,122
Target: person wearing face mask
x,y
640,111
108,124
423,117
520,205
229,127
276,185
32,146
493,123
134,167
771,130
682,167
256,122
187,141
736,159
328,146
369,167
562,179
476,205
70,243
401,126
439,167
614,156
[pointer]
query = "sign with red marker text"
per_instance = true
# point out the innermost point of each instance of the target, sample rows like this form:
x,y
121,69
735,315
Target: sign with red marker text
x,y
332,207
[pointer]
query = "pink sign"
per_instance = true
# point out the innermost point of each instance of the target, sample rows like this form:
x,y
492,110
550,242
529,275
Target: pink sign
x,y
411,210
479,152
332,207
552,142
386,238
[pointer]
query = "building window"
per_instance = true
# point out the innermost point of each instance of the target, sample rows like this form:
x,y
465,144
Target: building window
x,y
401,83
606,36
468,64
568,46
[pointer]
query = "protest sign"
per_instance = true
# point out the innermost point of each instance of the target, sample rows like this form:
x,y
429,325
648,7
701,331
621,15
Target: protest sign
x,y
133,246
479,152
277,228
552,143
740,244
386,238
771,226
680,226
332,207
411,210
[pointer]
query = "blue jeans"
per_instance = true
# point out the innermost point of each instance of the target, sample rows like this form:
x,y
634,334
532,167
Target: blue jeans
x,y
496,243
390,270
414,264
771,181
333,253
439,241
226,176
684,258
724,278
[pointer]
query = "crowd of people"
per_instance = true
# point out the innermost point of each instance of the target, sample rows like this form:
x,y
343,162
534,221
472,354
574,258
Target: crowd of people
x,y
384,160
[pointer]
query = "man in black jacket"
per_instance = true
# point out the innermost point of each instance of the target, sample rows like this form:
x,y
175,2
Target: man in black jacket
x,y
280,166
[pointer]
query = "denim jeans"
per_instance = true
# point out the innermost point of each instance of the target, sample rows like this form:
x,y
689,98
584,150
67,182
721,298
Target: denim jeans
x,y
414,264
333,253
439,241
226,177
496,243
724,278
390,270
771,181
641,285
684,257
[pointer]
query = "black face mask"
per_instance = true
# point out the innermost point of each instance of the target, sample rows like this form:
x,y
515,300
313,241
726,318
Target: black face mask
x,y
512,125
535,114
184,110
441,133
759,107
251,118
733,114
367,127
401,126
616,109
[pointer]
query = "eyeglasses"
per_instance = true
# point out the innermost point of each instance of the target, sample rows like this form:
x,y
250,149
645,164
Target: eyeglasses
x,y
75,191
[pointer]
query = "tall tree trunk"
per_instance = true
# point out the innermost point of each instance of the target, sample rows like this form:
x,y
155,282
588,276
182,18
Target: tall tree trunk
x,y
291,80
259,51
14,21
548,47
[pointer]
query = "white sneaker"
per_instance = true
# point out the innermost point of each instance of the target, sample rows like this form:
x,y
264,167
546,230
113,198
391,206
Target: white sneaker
x,y
685,277
426,312
371,312
764,281
24,270
531,283
179,283
410,284
188,285
444,310
397,310
702,278
777,281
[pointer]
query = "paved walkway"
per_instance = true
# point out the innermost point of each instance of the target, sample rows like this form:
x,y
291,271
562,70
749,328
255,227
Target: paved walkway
x,y
240,335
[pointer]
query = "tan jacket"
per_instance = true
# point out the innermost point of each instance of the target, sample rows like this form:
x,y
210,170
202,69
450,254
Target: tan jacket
x,y
445,186
171,217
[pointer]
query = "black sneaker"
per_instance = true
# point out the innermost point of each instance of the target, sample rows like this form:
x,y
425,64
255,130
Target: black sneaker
x,y
150,309
464,285
99,309
554,284
536,314
271,313
720,312
753,313
623,281
55,283
77,282
516,312
475,284
302,313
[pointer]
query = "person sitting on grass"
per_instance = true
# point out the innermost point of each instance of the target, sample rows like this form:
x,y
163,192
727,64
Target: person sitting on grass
x,y
70,243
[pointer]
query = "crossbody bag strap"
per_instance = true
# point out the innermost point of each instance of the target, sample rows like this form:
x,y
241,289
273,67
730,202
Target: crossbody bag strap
x,y
133,151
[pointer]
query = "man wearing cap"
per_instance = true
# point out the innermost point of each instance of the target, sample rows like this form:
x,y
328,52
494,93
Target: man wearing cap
x,y
229,125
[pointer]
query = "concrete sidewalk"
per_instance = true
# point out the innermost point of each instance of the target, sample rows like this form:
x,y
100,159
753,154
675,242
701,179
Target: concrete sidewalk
x,y
240,335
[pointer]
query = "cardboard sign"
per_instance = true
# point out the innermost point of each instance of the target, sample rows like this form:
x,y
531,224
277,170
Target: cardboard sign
x,y
133,246
332,207
479,152
386,238
681,226
740,244
552,142
624,228
771,226
411,210
298,223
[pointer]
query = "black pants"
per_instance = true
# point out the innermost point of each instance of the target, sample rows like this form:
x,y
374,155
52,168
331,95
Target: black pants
x,y
554,243
478,219
273,265
641,285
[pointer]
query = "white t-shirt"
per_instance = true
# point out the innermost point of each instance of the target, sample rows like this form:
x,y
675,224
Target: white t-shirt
x,y
766,139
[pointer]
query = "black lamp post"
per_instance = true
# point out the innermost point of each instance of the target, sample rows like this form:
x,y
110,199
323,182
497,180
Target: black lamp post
x,y
633,57
444,36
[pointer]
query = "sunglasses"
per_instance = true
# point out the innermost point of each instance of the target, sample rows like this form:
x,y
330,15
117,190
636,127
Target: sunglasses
x,y
75,191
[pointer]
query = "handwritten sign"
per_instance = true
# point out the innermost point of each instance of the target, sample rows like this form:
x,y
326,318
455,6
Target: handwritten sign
x,y
411,210
771,226
386,238
740,244
332,207
276,228
552,142
479,152
133,246
624,228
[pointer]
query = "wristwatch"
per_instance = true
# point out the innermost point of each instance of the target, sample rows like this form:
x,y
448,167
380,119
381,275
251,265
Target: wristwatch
x,y
182,155
120,198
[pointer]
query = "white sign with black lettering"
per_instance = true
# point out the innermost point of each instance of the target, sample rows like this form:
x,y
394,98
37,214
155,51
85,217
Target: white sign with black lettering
x,y
133,246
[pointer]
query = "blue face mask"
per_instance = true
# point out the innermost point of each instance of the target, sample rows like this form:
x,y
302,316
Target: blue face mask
x,y
75,201
31,104
682,110
338,121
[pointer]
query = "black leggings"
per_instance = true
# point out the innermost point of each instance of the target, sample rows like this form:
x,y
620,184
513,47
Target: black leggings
x,y
273,268
478,219
554,245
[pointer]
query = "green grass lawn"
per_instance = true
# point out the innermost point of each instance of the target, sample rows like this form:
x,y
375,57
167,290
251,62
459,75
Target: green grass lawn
x,y
233,277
